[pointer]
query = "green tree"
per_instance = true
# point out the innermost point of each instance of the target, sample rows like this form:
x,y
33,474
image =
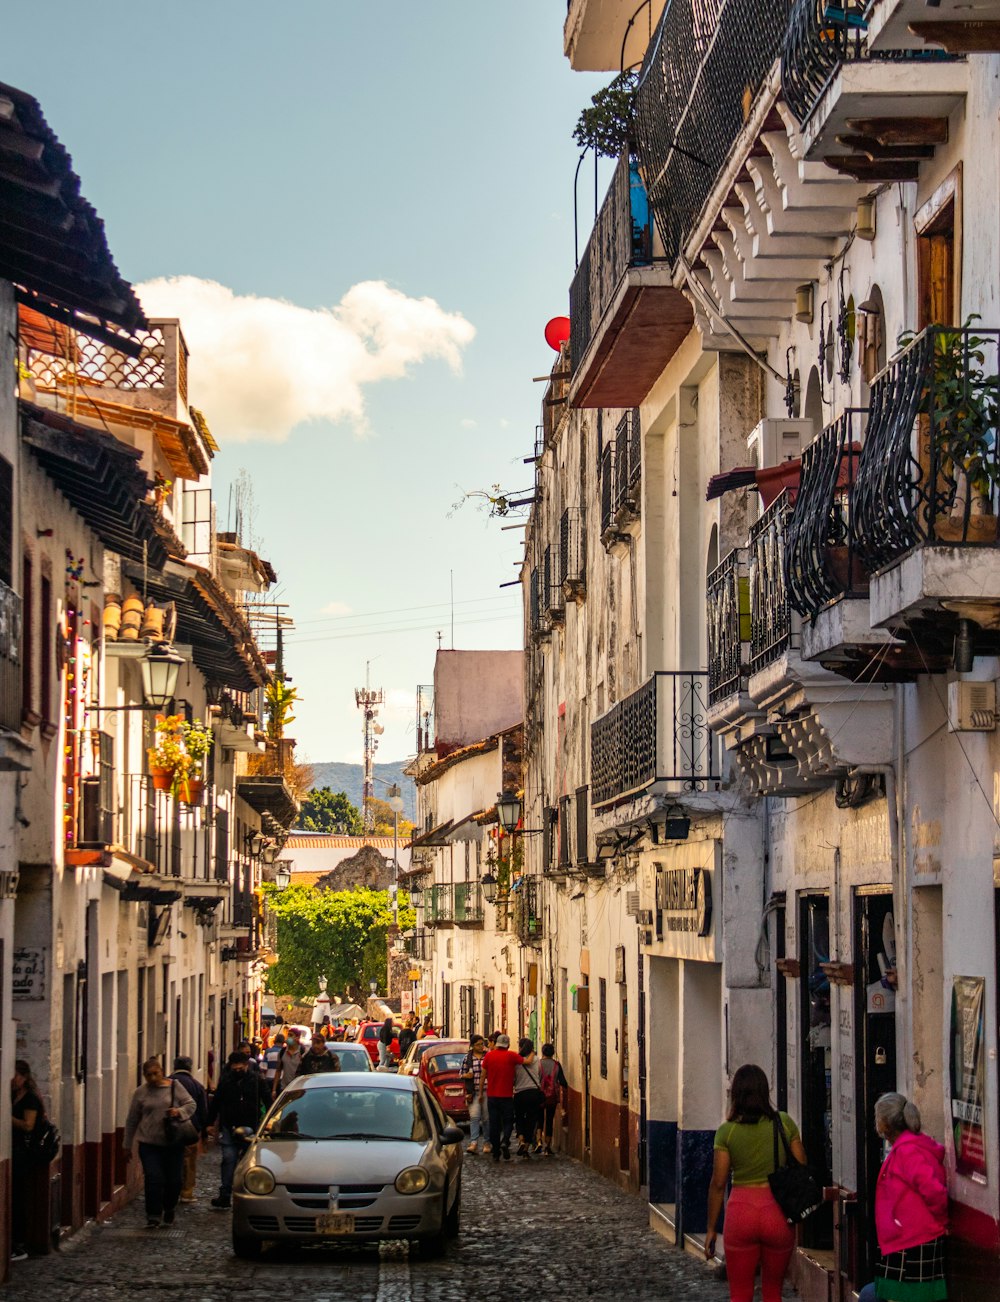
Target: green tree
x,y
324,810
339,934
382,814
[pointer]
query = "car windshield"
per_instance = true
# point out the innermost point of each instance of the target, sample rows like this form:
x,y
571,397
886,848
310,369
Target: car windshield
x,y
445,1062
352,1057
336,1113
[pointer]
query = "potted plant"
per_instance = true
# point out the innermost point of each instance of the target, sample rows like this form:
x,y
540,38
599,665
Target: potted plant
x,y
198,740
168,759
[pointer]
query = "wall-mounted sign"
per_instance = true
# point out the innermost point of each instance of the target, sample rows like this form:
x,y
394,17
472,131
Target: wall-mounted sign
x,y
684,900
29,974
967,1076
413,974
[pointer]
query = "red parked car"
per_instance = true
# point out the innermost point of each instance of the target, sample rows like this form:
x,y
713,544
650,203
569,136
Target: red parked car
x,y
368,1036
441,1070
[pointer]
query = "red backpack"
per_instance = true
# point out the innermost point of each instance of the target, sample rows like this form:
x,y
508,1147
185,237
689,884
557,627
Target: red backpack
x,y
549,1080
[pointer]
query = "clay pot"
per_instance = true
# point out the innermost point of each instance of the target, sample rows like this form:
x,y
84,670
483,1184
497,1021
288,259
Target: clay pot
x,y
131,619
162,778
112,617
152,624
190,791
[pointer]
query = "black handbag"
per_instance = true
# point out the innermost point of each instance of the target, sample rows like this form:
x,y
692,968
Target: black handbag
x,y
797,1189
180,1131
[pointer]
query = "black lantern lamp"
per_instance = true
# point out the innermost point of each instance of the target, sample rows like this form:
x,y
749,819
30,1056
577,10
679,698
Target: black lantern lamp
x,y
416,893
255,842
160,667
677,825
283,874
509,810
489,884
269,852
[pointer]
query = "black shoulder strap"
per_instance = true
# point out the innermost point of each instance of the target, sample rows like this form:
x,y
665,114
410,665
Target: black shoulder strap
x,y
779,1129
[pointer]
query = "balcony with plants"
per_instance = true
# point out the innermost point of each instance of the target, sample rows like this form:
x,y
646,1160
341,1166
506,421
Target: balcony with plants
x,y
927,496
871,111
654,744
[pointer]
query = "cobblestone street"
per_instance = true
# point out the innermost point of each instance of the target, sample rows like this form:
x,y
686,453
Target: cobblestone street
x,y
552,1229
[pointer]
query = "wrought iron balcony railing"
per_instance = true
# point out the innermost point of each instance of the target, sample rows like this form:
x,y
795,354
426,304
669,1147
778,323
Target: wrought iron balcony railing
x,y
770,612
621,239
705,58
177,839
821,561
96,810
439,905
728,601
821,37
526,909
572,553
10,659
628,464
607,489
555,600
420,946
468,902
657,734
929,471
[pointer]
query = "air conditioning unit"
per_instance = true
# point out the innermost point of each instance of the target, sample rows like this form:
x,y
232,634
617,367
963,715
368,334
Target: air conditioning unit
x,y
972,707
632,904
775,441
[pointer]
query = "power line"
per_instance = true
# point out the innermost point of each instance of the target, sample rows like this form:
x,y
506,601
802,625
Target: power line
x,y
387,632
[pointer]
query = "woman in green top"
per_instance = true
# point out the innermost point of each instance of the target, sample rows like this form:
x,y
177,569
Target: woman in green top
x,y
756,1232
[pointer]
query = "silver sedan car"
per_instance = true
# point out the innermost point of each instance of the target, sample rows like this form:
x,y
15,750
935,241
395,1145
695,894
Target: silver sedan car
x,y
343,1157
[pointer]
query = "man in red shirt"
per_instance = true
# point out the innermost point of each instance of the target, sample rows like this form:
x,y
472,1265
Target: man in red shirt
x,y
499,1067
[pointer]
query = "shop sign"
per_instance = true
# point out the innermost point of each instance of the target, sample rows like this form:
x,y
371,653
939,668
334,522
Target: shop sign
x,y
967,1076
684,898
424,1004
29,974
406,1001
413,974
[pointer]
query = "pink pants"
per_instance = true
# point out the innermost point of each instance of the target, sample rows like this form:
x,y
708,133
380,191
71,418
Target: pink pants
x,y
756,1234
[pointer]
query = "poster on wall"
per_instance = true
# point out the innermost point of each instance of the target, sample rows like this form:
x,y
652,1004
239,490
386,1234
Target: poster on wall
x,y
967,1076
29,974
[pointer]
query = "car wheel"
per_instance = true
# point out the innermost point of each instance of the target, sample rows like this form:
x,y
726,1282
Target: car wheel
x,y
453,1219
247,1246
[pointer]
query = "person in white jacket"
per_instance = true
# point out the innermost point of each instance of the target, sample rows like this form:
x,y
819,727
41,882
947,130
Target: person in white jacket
x,y
146,1124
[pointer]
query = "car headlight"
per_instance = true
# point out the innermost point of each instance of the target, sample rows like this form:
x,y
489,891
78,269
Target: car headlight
x,y
413,1180
258,1180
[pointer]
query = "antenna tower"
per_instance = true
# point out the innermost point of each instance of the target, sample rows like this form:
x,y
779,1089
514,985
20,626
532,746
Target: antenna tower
x,y
368,700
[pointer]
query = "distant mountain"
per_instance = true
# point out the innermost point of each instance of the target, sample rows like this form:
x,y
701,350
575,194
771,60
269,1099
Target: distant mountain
x,y
349,778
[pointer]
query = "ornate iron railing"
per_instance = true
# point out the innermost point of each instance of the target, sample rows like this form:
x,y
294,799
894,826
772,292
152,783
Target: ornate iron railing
x,y
706,58
97,789
11,673
628,463
657,734
607,488
526,907
728,600
930,468
439,905
821,37
621,239
420,946
468,902
821,560
770,613
176,839
572,555
555,601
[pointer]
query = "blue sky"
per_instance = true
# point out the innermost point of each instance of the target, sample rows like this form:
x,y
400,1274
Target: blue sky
x,y
291,153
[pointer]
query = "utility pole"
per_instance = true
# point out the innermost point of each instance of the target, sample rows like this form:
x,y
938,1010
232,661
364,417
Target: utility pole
x,y
368,701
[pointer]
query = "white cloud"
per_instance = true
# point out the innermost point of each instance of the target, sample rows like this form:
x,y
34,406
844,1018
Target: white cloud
x,y
262,366
336,608
468,423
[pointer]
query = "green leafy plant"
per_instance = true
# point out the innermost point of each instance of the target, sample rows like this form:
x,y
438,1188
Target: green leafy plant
x,y
608,126
198,741
279,699
324,810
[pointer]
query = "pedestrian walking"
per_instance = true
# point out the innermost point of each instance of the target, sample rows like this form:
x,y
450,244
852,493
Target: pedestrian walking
x,y
319,1059
528,1099
756,1232
269,1067
287,1064
408,1034
911,1208
189,1174
385,1034
250,1053
473,1075
26,1111
426,1030
160,1098
236,1103
500,1066
555,1090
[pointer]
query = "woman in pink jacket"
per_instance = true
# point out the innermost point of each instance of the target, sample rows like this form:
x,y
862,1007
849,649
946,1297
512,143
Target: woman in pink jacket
x,y
911,1208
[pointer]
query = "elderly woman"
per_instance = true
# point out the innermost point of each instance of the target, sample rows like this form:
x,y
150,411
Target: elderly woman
x,y
911,1208
162,1160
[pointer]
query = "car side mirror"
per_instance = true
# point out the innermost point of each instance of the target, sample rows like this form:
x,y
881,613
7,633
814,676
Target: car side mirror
x,y
452,1135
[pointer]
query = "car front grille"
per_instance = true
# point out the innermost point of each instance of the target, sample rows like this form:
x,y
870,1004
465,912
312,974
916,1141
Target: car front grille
x,y
263,1224
343,1204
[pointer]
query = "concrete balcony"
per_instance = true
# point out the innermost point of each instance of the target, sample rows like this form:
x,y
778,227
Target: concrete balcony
x,y
607,35
959,26
627,319
874,115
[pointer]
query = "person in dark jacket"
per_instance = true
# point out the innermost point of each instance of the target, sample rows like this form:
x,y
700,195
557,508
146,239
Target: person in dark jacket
x,y
318,1059
385,1035
236,1102
182,1075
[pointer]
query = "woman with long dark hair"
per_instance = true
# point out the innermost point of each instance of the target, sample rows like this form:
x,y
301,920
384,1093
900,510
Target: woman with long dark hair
x,y
26,1110
756,1232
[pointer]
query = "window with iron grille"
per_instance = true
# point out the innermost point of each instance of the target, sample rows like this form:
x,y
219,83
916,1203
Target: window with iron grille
x,y
565,856
222,845
27,630
603,1015
489,1011
607,487
550,835
46,629
6,522
467,1011
582,830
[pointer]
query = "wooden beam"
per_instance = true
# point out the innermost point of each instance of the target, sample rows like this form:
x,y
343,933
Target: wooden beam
x,y
873,150
902,131
868,170
970,36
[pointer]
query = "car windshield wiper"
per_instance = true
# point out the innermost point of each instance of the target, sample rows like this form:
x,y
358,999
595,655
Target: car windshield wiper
x,y
287,1134
363,1134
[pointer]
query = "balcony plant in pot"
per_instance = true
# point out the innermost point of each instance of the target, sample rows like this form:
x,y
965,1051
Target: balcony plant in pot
x,y
959,411
168,758
198,740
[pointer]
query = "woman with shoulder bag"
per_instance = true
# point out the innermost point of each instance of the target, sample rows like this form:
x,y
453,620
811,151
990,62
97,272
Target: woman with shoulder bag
x,y
757,1232
911,1208
528,1098
26,1110
155,1117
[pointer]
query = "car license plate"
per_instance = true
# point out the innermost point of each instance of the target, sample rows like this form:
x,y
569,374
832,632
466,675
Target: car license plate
x,y
455,1092
335,1223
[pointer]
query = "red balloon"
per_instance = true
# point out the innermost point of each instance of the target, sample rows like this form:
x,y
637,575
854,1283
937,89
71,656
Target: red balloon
x,y
557,332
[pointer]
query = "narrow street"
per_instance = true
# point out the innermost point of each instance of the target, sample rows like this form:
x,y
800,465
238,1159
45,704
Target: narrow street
x,y
546,1229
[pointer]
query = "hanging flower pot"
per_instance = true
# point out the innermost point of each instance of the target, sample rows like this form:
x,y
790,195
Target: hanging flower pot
x,y
190,791
162,774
